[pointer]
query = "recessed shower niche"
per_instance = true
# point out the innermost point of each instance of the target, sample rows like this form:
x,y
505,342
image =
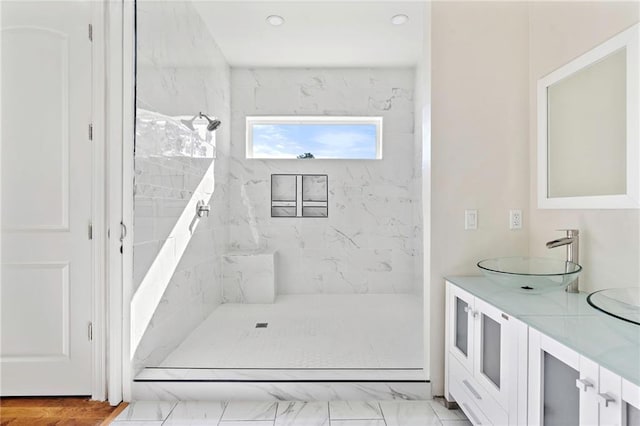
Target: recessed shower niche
x,y
299,195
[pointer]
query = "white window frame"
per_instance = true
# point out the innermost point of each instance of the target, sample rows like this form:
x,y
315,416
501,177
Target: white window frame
x,y
253,120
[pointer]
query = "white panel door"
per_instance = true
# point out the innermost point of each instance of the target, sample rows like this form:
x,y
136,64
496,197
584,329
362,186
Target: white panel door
x,y
46,199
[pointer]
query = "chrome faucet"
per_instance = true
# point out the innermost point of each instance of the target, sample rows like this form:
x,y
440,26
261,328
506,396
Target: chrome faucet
x,y
572,243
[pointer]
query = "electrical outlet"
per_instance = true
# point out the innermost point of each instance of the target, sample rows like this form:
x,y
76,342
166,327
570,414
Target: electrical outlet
x,y
470,219
515,219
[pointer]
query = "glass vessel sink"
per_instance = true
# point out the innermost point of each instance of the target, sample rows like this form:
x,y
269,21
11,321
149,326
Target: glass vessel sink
x,y
530,274
621,303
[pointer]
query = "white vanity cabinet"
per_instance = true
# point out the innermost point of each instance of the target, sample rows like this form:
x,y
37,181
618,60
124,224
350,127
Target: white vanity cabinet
x,y
486,360
503,367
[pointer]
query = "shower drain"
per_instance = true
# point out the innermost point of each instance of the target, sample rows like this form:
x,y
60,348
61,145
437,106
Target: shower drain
x,y
262,324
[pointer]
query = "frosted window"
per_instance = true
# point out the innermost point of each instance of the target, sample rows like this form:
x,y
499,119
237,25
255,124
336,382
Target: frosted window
x,y
461,325
314,137
561,396
491,349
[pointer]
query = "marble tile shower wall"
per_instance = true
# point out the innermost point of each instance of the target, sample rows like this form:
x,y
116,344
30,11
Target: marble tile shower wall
x,y
181,71
370,241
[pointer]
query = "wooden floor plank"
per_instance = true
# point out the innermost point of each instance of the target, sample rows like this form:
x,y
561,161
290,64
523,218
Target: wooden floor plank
x,y
70,401
53,421
56,411
73,412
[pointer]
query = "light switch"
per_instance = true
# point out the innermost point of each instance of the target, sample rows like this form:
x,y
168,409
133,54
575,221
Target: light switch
x,y
470,219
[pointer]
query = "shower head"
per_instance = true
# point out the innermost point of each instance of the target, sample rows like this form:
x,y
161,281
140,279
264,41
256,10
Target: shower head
x,y
213,124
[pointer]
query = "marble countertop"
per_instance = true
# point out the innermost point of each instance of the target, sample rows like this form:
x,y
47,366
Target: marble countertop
x,y
569,319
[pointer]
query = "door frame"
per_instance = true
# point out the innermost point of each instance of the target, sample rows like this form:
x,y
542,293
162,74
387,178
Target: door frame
x,y
119,42
98,205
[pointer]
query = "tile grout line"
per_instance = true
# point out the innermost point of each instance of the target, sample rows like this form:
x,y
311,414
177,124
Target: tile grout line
x,y
275,415
329,412
226,404
384,418
170,411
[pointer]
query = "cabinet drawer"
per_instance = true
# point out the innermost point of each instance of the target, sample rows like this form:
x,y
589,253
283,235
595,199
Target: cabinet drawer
x,y
467,403
467,388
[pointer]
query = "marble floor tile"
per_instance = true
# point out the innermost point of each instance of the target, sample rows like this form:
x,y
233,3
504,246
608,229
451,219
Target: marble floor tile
x,y
300,413
370,422
409,413
250,410
444,413
354,410
137,423
195,413
146,411
456,423
247,423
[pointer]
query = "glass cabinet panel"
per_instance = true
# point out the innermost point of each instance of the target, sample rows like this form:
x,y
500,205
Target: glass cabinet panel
x,y
632,416
462,326
561,405
491,349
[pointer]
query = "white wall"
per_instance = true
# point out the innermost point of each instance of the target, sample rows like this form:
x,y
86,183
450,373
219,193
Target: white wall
x,y
181,72
370,241
479,143
609,239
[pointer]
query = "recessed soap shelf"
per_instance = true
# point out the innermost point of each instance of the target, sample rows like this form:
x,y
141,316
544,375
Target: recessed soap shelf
x,y
302,195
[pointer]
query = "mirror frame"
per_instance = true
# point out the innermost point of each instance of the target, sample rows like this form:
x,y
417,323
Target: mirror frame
x,y
630,39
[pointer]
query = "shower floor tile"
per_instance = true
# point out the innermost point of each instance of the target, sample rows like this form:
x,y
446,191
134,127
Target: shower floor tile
x,y
378,331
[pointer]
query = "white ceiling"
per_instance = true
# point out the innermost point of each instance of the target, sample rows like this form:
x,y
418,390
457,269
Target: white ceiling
x,y
318,33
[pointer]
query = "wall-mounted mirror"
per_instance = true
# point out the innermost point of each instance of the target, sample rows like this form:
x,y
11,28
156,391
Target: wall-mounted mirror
x,y
589,129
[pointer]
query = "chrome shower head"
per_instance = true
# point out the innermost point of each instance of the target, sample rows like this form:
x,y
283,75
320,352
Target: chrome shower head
x,y
213,124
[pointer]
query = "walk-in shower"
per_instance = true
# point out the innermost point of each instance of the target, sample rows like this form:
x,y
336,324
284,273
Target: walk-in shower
x,y
308,305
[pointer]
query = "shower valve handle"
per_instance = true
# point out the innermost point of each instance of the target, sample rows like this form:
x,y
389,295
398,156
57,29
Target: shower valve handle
x,y
202,209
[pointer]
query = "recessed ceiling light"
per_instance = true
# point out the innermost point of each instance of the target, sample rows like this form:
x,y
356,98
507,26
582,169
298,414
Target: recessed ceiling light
x,y
275,20
399,19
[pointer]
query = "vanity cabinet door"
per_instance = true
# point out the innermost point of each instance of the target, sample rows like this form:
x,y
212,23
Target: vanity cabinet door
x,y
491,367
460,312
553,396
